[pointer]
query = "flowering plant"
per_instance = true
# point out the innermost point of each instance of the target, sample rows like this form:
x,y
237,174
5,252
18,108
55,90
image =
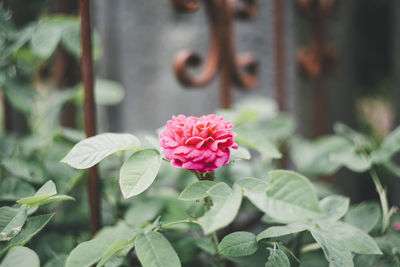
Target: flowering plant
x,y
204,146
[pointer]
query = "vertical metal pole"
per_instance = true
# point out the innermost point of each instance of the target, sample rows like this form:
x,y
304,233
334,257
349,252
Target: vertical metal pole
x,y
319,90
225,27
89,110
279,53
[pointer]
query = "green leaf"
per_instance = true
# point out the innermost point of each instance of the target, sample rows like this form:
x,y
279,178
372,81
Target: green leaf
x,y
92,150
389,147
265,107
255,190
154,250
238,244
32,226
12,189
196,191
11,222
291,197
26,169
276,231
364,216
21,257
392,167
277,258
360,139
102,248
254,140
52,199
148,210
240,154
20,95
46,191
351,159
334,249
45,195
71,37
314,157
45,39
89,252
353,238
120,230
226,204
139,172
335,207
280,128
116,247
108,92
244,116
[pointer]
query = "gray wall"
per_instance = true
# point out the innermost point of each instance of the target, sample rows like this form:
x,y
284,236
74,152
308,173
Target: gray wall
x,y
140,39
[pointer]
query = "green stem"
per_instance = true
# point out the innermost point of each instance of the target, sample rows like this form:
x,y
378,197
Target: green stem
x,y
164,226
383,199
208,203
310,247
214,240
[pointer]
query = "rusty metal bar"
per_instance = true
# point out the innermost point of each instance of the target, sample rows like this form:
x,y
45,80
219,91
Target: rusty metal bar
x,y
320,108
318,57
89,110
279,53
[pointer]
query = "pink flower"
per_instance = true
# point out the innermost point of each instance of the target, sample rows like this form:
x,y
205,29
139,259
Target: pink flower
x,y
396,226
198,143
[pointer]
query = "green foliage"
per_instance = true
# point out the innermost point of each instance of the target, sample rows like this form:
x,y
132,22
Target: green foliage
x,y
294,193
364,216
46,194
333,248
21,257
154,250
238,244
335,207
45,39
276,231
11,222
106,92
91,151
313,158
32,226
287,197
90,252
139,172
298,224
256,141
389,147
196,191
240,154
277,258
226,204
13,189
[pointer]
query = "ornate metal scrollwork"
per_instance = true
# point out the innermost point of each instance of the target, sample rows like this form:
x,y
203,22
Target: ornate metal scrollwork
x,y
319,56
241,69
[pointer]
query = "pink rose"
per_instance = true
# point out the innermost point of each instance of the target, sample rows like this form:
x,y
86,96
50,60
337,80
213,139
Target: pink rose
x,y
200,144
396,226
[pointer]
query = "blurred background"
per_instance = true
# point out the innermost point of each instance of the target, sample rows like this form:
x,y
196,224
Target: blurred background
x,y
324,61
